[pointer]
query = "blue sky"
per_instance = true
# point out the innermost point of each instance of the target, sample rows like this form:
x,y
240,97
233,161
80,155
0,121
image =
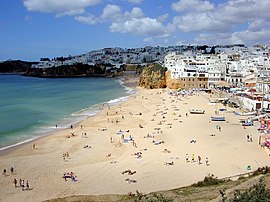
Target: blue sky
x,y
31,29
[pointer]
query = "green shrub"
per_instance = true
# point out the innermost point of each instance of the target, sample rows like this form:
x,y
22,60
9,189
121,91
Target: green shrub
x,y
209,181
257,192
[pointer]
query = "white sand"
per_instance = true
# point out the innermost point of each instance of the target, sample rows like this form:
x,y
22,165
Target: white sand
x,y
228,151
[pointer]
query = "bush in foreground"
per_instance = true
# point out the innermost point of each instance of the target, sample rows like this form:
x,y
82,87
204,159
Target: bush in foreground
x,y
258,192
209,181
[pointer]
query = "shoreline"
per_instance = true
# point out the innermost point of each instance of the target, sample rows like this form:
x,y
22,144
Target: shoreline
x,y
94,167
95,110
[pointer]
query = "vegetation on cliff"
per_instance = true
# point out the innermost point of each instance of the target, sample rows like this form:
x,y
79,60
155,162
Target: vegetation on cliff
x,y
153,76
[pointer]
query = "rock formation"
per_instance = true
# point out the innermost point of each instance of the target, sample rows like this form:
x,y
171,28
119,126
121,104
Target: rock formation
x,y
153,76
15,66
172,83
78,70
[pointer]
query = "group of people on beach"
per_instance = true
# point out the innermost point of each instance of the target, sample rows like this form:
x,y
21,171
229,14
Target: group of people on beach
x,y
22,183
249,138
70,175
66,156
198,159
11,171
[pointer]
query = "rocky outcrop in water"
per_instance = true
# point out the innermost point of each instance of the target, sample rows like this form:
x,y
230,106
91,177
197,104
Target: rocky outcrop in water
x,y
153,76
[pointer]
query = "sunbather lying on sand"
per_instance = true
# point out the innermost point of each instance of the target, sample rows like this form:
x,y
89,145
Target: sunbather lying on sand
x,y
109,155
128,172
148,136
167,151
169,163
157,143
130,180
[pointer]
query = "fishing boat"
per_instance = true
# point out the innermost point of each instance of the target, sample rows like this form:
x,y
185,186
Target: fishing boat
x,y
244,113
217,118
196,111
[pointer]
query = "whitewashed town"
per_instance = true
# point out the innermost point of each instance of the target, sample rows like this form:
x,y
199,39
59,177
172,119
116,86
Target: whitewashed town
x,y
242,70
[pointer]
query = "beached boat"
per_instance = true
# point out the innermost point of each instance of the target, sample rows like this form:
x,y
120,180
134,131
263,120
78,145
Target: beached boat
x,y
218,118
247,123
196,111
244,113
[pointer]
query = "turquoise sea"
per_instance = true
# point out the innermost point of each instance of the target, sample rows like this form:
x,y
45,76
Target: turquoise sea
x,y
31,107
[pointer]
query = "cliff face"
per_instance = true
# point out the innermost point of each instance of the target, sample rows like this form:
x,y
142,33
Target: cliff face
x,y
153,76
78,70
15,66
156,76
172,83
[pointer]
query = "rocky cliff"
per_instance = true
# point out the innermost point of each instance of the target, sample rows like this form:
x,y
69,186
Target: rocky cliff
x,y
153,76
156,76
172,83
15,66
78,70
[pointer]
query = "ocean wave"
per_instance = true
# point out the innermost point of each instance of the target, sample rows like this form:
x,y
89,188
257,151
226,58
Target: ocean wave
x,y
117,100
17,144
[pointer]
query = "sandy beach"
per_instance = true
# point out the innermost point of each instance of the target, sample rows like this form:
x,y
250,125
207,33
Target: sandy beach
x,y
145,144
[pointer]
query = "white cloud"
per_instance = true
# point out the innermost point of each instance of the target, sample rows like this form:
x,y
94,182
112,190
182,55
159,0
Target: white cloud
x,y
141,26
135,1
196,22
135,13
88,19
225,17
234,21
192,5
163,18
252,37
257,25
59,7
28,18
149,40
242,37
111,12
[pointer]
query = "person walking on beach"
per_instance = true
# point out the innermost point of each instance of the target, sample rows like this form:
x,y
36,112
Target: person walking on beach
x,y
193,158
22,185
187,158
248,138
11,169
199,159
15,182
206,161
4,172
27,185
